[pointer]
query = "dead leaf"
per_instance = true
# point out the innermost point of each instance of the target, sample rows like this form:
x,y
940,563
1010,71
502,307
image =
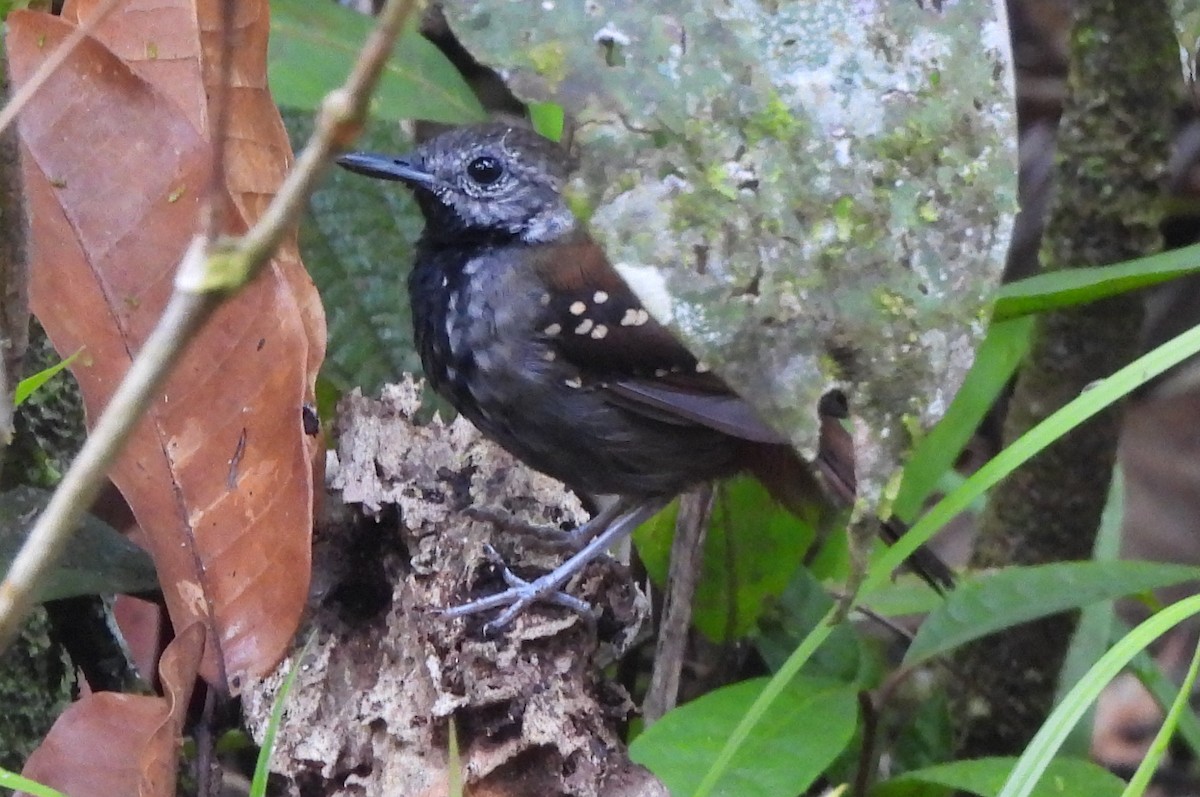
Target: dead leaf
x,y
114,745
116,164
169,47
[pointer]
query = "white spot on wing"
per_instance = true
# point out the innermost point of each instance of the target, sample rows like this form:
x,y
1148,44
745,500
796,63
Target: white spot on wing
x,y
584,327
599,331
634,317
552,330
574,381
651,287
600,297
577,308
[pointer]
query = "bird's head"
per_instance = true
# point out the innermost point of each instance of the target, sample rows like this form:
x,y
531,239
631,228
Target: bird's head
x,y
492,180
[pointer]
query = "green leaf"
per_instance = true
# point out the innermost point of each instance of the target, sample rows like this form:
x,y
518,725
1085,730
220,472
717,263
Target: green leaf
x,y
907,595
11,780
750,554
1040,752
1094,630
1015,595
793,615
924,734
99,560
547,119
262,767
314,45
1101,395
782,756
357,244
1162,688
1158,748
27,386
1069,287
1096,398
997,359
1065,777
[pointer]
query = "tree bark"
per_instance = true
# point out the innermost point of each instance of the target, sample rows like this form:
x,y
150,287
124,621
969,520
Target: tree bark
x,y
1113,148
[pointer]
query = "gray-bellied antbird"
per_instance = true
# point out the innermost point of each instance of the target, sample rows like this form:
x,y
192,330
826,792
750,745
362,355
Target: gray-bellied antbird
x,y
525,327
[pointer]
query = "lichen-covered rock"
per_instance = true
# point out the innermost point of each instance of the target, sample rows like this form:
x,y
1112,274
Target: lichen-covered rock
x,y
811,194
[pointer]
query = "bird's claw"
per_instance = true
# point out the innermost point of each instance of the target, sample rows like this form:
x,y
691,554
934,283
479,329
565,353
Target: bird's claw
x,y
613,524
519,596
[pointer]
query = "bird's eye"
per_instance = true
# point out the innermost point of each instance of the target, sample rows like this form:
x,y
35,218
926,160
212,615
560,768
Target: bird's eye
x,y
485,170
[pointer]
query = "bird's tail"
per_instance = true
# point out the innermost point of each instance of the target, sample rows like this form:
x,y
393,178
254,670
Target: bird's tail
x,y
821,493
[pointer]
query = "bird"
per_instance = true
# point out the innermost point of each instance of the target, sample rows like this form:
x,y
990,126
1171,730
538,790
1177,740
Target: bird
x,y
522,323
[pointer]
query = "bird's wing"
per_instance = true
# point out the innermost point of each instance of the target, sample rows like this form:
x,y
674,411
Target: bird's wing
x,y
597,324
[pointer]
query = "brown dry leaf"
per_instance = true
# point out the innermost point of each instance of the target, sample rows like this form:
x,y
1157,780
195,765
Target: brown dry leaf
x,y
114,745
218,472
169,46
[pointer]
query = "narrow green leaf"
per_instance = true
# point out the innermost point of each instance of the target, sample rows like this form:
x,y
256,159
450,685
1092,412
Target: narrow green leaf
x,y
1100,395
314,45
791,617
1040,752
1075,412
1093,632
1069,287
782,756
1065,777
11,780
1161,687
27,386
749,726
995,362
454,768
907,595
989,603
1162,739
262,767
99,561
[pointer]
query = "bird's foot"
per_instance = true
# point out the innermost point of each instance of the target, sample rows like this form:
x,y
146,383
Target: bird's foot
x,y
522,594
617,524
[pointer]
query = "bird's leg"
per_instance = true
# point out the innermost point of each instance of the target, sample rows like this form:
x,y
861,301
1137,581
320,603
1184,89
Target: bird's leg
x,y
521,593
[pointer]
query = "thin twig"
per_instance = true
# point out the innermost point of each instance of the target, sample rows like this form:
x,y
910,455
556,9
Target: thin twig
x,y
870,738
687,554
56,59
206,276
217,199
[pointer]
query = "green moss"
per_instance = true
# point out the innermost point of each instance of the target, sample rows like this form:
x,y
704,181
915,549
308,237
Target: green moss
x,y
549,59
716,177
775,122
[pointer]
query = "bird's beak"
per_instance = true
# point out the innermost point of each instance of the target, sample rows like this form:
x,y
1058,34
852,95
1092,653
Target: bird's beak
x,y
386,167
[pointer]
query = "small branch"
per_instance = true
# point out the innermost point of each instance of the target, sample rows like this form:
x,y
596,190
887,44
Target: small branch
x,y
217,200
687,554
206,276
870,738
